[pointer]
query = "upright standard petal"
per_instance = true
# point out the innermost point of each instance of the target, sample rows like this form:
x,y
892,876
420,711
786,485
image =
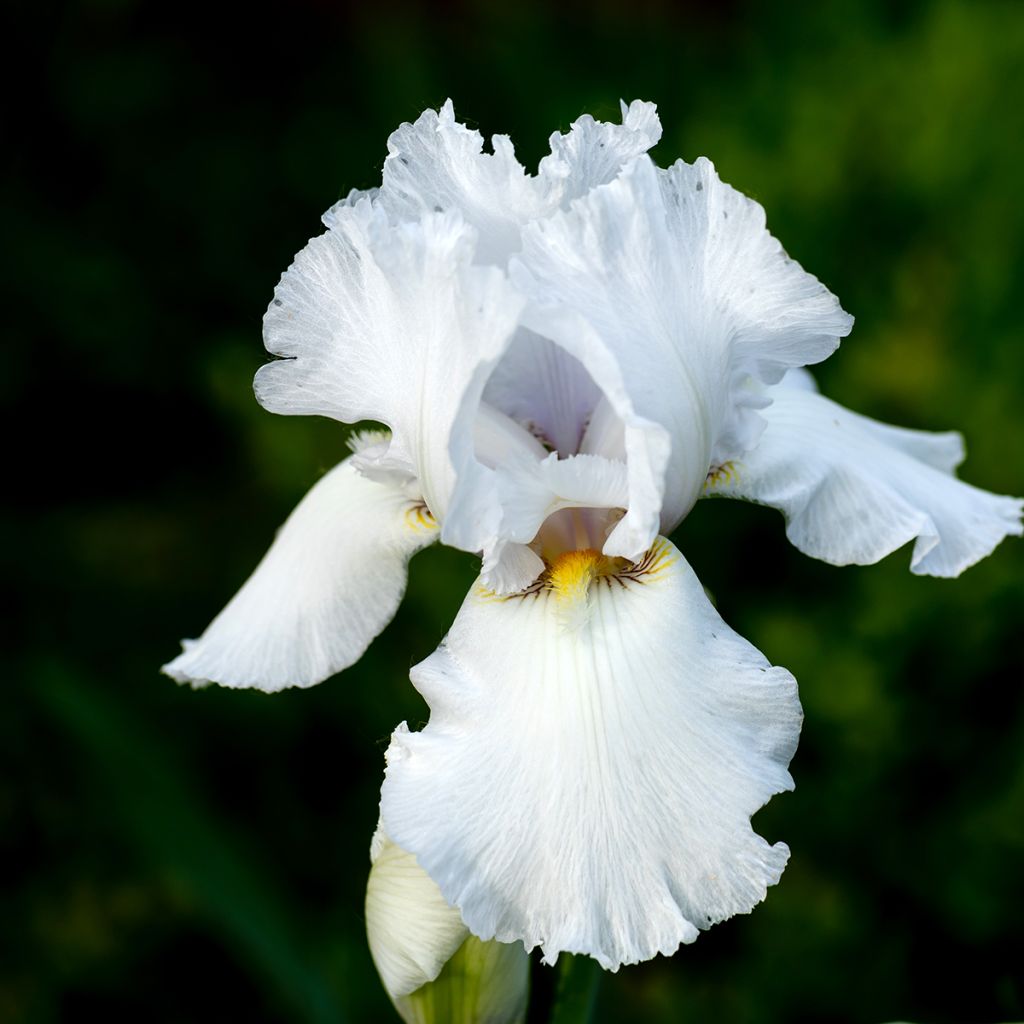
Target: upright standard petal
x,y
595,750
330,582
593,152
394,324
854,490
676,275
436,163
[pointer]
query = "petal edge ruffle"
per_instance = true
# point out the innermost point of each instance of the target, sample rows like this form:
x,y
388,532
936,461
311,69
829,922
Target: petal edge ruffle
x,y
586,780
853,490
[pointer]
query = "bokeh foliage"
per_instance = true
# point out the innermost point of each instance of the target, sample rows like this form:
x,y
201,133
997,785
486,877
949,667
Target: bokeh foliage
x,y
198,856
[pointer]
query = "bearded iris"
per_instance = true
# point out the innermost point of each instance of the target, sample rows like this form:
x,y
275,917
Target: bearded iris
x,y
566,362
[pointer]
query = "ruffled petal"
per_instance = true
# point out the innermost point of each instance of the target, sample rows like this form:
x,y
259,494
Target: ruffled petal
x,y
436,163
510,567
854,490
531,491
330,582
674,273
593,152
594,753
394,324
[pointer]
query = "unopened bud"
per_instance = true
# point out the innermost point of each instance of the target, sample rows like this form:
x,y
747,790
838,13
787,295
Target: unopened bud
x,y
434,970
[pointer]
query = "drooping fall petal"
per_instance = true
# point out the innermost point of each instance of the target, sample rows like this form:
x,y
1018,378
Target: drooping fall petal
x,y
853,490
330,582
595,750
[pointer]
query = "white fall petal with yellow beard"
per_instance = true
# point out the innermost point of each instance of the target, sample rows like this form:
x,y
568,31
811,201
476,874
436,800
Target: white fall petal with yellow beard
x,y
595,750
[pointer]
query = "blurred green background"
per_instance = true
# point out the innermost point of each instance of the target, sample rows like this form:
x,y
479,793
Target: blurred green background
x,y
201,856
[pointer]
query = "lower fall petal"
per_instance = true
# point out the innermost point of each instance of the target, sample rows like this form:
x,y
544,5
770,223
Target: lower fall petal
x,y
331,581
595,750
853,490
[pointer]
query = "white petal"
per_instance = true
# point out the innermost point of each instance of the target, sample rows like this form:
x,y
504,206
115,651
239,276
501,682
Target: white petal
x,y
573,395
676,274
620,431
329,584
540,384
594,753
498,437
593,152
854,490
353,197
509,567
412,932
438,164
434,970
530,491
393,324
801,378
605,434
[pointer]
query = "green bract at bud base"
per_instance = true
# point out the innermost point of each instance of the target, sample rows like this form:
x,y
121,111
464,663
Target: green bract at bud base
x,y
483,983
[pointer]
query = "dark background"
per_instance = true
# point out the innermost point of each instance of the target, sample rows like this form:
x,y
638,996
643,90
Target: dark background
x,y
201,856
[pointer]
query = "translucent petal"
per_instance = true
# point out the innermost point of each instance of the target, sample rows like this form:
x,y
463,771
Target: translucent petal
x,y
854,490
675,275
543,386
330,582
437,163
395,325
594,753
530,491
593,152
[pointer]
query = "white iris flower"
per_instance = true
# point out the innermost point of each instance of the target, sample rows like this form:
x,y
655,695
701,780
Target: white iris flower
x,y
567,362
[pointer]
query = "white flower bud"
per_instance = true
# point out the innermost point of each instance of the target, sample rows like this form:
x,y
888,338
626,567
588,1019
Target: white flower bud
x,y
434,970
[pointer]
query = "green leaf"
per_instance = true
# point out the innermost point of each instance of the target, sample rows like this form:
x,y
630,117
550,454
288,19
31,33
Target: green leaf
x,y
173,826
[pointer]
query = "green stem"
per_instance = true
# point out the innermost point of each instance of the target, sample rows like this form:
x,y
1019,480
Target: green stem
x,y
579,977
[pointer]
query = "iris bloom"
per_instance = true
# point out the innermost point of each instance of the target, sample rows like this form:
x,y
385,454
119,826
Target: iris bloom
x,y
566,362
